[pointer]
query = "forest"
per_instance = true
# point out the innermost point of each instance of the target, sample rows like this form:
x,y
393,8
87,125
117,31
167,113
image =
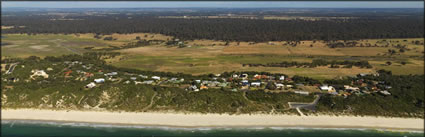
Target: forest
x,y
374,26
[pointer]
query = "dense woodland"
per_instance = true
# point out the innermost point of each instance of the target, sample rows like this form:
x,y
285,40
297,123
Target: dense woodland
x,y
364,26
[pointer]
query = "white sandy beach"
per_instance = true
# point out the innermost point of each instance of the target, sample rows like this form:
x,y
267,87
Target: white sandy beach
x,y
214,120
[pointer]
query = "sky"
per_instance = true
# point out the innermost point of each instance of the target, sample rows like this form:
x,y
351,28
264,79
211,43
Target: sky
x,y
217,4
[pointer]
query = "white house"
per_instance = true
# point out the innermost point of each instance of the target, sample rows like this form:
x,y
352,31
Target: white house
x,y
133,78
385,92
148,82
91,85
255,83
327,88
198,81
112,73
235,75
282,78
302,92
99,80
156,77
39,73
143,76
347,87
279,85
137,82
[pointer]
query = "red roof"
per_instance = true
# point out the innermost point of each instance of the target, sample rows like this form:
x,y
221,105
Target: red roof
x,y
68,72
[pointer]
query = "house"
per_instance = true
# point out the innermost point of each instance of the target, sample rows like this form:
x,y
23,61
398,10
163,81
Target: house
x,y
138,82
193,87
198,81
282,78
235,76
244,76
127,82
256,84
148,82
112,74
91,85
203,87
289,86
156,77
279,85
68,72
385,92
288,79
99,80
49,69
88,74
133,78
244,82
217,75
39,73
143,76
302,92
327,88
363,74
349,88
256,76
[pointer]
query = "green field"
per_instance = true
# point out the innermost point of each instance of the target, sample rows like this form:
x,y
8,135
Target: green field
x,y
217,59
46,45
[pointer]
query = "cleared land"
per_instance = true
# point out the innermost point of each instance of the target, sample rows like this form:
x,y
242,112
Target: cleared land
x,y
208,56
203,58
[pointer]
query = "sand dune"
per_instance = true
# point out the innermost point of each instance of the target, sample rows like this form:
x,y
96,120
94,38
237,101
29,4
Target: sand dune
x,y
214,120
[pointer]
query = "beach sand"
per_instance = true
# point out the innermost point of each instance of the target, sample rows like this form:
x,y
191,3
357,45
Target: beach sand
x,y
214,120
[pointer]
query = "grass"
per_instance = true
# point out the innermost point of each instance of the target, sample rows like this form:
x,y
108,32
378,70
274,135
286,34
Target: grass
x,y
203,58
216,59
22,45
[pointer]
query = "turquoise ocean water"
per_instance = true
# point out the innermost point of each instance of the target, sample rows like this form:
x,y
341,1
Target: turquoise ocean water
x,y
25,128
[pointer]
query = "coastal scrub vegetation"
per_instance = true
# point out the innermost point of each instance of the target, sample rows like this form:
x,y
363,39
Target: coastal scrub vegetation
x,y
63,90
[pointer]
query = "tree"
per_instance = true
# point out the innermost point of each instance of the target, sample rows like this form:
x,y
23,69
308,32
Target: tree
x,y
388,63
270,86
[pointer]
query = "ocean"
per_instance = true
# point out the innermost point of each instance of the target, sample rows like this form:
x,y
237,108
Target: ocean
x,y
26,128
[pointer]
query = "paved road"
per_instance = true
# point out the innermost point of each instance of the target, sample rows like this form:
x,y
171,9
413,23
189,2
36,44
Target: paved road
x,y
11,68
309,106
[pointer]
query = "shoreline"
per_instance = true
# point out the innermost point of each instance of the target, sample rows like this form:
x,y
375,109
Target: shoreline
x,y
180,120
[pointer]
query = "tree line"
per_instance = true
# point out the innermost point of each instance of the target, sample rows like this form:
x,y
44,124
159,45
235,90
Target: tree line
x,y
315,63
257,30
